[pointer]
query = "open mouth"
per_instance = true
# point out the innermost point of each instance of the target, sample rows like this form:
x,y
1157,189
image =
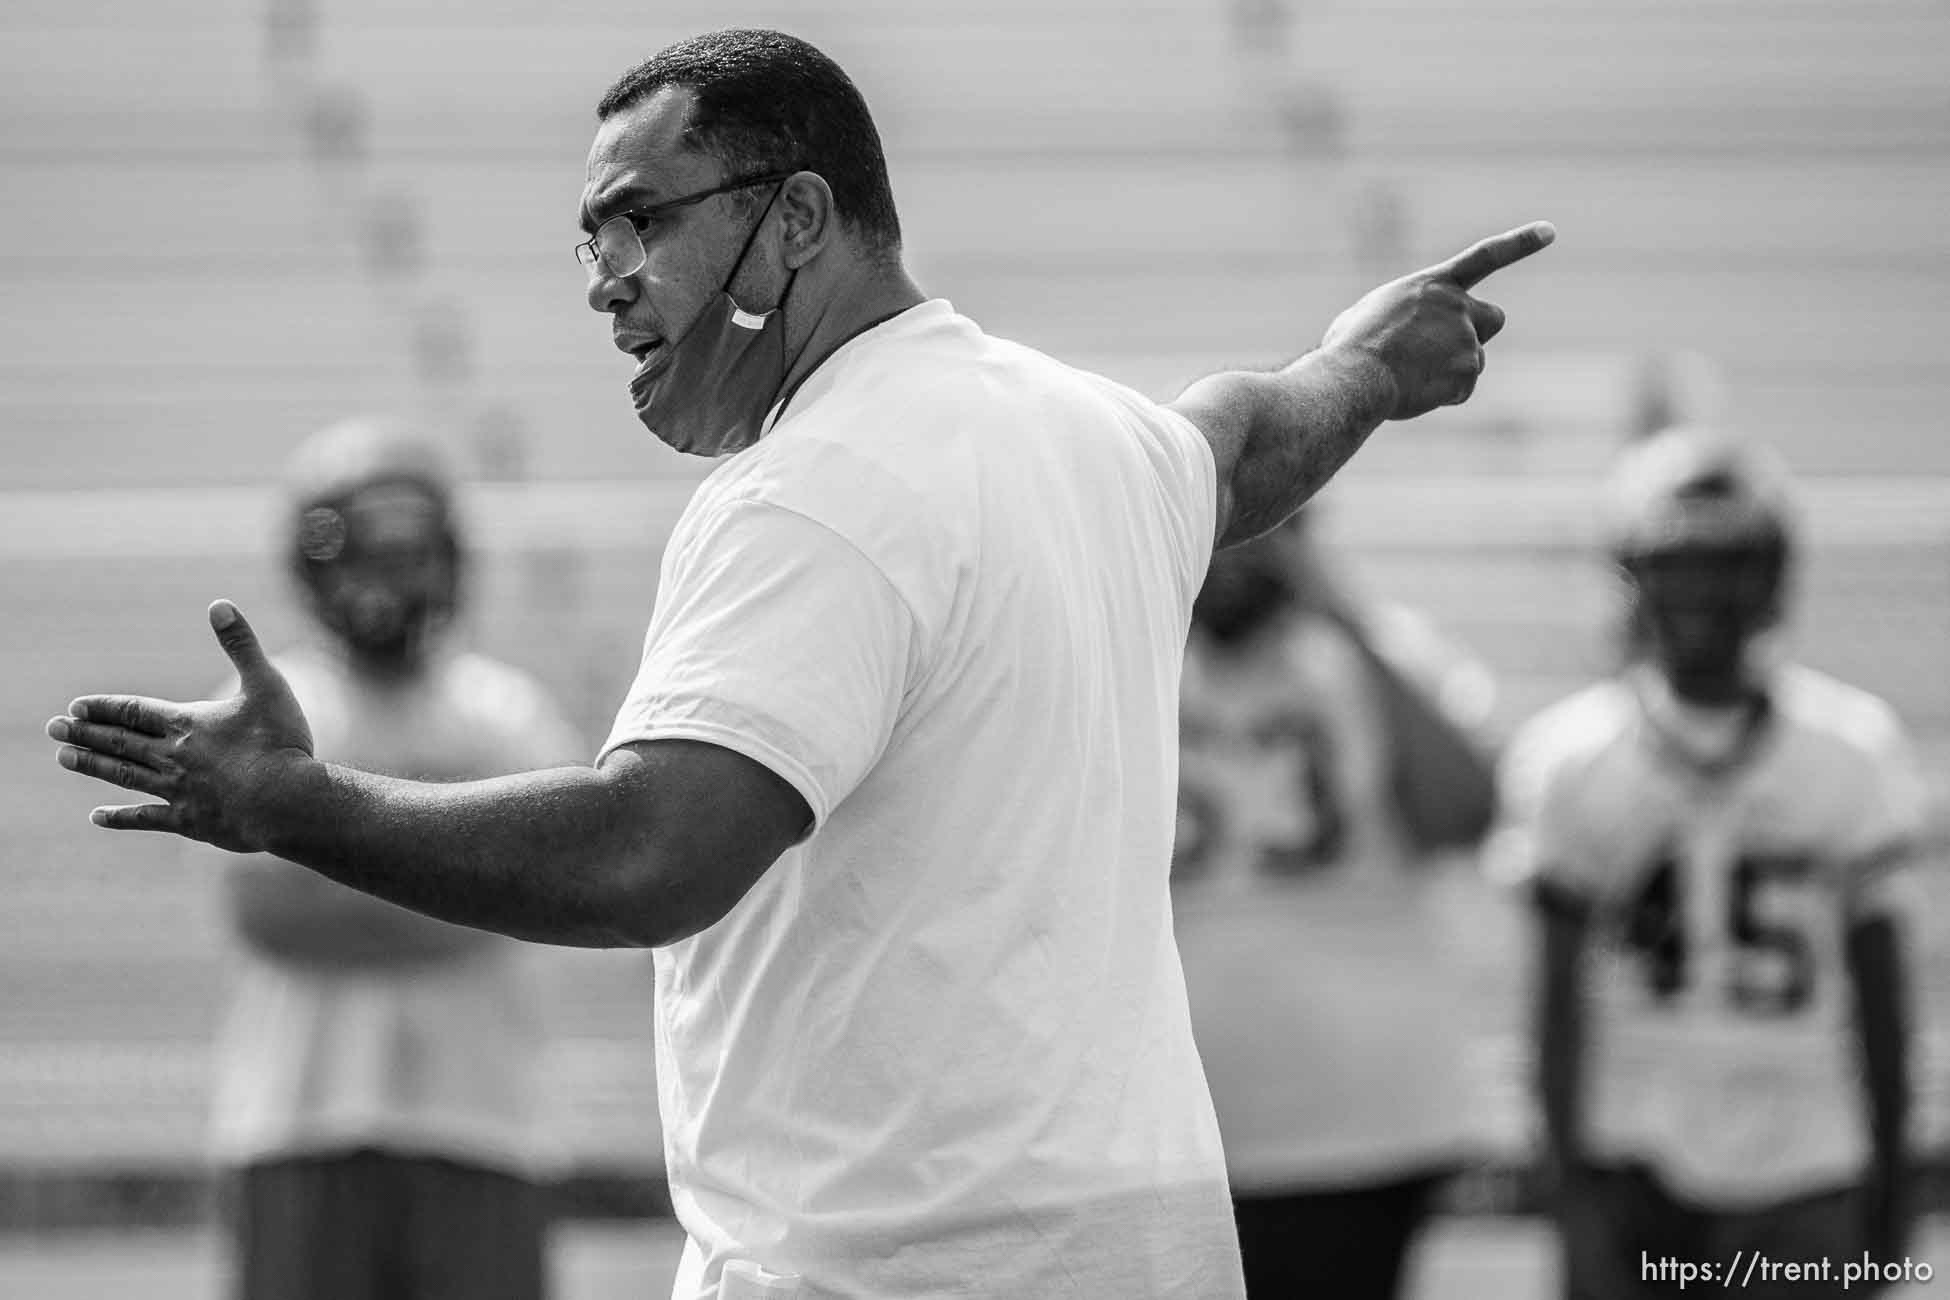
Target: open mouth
x,y
644,348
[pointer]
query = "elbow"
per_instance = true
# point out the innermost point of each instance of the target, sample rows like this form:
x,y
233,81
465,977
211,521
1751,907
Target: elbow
x,y
691,831
680,885
656,899
637,921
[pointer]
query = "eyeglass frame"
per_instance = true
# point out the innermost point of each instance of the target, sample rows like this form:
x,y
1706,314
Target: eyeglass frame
x,y
589,257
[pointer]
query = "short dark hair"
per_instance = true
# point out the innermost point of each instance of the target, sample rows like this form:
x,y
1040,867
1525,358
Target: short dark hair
x,y
766,101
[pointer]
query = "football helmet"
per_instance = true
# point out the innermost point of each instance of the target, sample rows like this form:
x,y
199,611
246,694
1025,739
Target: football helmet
x,y
373,539
1701,527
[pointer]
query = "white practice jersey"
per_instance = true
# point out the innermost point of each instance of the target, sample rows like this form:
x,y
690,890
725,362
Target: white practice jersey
x,y
1722,869
1325,1010
445,1058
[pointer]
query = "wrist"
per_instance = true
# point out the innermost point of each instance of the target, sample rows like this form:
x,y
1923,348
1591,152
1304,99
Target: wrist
x,y
296,795
1364,377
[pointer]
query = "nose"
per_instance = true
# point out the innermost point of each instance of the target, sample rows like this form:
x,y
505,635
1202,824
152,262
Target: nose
x,y
609,293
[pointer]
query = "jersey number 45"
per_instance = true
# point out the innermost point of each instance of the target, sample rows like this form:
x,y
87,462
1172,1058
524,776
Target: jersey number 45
x,y
1772,971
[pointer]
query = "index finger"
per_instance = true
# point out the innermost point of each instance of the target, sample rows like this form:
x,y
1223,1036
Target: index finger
x,y
1468,267
135,712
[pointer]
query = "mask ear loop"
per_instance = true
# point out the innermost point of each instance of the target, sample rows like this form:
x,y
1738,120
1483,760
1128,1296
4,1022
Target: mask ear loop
x,y
752,321
745,248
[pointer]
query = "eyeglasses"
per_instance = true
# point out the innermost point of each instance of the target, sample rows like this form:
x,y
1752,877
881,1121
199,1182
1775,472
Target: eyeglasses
x,y
617,246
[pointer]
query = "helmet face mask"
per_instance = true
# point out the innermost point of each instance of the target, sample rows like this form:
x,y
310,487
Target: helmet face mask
x,y
1701,535
380,566
1697,611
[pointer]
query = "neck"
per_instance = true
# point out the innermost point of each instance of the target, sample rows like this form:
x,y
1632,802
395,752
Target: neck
x,y
388,673
1711,737
385,672
1723,697
868,299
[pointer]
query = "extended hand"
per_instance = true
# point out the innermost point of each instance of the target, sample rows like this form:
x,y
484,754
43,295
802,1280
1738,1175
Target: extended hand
x,y
216,764
1426,330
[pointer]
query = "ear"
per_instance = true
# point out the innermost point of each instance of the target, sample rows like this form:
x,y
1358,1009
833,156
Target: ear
x,y
811,221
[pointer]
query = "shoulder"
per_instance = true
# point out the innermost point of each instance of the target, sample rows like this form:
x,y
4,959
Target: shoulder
x,y
510,704
1557,799
870,438
493,682
1855,760
838,504
937,393
1573,733
1844,717
839,467
1560,766
1176,448
490,688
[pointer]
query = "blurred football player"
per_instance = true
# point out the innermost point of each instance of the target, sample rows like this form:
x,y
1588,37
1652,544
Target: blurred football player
x,y
1716,842
1316,783
378,1086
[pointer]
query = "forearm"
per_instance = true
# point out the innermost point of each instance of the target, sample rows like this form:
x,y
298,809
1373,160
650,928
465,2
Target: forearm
x,y
1443,782
1560,1034
1288,431
547,856
1560,1061
295,917
1882,1028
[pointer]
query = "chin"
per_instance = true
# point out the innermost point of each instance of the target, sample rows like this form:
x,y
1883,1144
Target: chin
x,y
1717,685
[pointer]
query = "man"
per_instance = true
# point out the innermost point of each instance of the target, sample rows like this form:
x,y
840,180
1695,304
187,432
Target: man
x,y
1716,842
1329,1023
379,1085
892,794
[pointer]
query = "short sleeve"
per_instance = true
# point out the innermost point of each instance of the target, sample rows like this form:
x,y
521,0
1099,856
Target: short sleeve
x,y
1534,847
1890,829
1193,461
1183,472
1187,473
776,638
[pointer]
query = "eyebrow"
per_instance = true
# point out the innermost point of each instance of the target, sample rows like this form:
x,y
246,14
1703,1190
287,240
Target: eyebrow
x,y
627,199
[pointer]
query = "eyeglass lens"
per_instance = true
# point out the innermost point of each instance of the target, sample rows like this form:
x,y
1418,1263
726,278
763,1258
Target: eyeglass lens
x,y
617,249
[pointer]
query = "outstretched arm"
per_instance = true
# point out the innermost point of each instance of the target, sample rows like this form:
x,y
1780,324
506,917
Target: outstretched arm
x,y
1406,348
653,846
296,917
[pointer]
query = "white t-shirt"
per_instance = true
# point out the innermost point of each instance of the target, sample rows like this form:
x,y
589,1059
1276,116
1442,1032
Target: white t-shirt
x,y
1329,1019
942,1047
445,1058
1721,868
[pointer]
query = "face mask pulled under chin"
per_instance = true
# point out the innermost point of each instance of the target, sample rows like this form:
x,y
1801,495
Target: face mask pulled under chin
x,y
711,394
